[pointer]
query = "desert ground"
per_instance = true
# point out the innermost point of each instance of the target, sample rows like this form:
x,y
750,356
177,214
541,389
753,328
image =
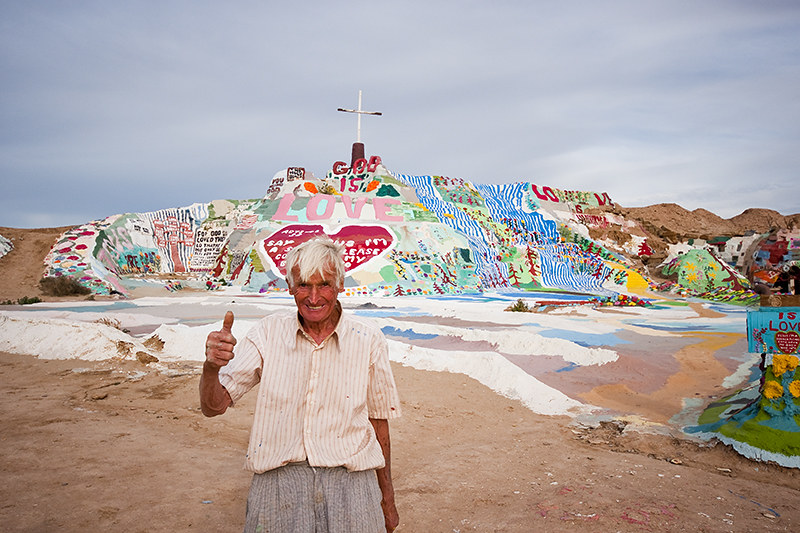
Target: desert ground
x,y
118,445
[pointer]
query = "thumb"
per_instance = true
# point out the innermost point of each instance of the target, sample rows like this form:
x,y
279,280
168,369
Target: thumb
x,y
227,322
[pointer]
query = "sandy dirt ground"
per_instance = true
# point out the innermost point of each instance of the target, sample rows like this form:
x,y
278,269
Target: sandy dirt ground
x,y
100,446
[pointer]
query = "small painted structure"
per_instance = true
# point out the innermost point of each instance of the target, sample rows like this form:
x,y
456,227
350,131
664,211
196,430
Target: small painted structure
x,y
762,421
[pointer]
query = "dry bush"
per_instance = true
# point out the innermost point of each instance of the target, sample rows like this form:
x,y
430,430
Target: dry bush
x,y
519,307
62,286
112,322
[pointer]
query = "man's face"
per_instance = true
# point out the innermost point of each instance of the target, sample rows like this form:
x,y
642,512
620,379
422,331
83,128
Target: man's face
x,y
315,297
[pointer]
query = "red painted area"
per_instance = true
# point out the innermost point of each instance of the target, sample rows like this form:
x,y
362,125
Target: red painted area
x,y
777,250
361,243
360,166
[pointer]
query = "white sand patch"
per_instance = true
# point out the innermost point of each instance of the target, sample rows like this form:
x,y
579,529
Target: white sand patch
x,y
127,320
49,332
56,338
489,312
62,339
494,371
516,341
742,372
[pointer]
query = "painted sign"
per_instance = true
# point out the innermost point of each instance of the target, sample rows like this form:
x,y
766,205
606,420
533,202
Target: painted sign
x,y
773,330
360,166
361,243
322,206
208,243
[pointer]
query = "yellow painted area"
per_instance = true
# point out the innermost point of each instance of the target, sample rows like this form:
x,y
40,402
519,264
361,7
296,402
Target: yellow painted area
x,y
365,277
636,282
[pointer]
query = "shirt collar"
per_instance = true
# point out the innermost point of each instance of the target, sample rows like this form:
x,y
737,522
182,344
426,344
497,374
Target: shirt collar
x,y
300,332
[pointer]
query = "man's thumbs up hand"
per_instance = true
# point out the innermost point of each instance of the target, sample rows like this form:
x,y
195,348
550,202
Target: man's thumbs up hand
x,y
227,323
219,344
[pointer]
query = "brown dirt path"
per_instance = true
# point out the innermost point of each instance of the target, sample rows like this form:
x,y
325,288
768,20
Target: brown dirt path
x,y
23,267
117,447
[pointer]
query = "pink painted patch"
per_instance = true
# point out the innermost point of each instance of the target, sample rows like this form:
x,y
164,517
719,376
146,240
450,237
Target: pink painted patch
x,y
81,247
627,516
362,243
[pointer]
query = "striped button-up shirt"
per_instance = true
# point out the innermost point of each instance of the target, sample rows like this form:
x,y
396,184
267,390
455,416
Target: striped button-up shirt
x,y
314,401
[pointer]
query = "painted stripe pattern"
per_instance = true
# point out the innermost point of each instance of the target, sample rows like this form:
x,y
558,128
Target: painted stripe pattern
x,y
563,265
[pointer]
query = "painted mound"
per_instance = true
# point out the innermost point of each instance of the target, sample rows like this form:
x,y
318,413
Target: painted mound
x,y
423,235
420,235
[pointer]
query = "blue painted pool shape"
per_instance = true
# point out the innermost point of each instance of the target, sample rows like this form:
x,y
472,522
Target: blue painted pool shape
x,y
665,327
392,331
571,366
587,340
382,313
86,308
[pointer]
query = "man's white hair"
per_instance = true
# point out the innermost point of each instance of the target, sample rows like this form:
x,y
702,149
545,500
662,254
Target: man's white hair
x,y
316,256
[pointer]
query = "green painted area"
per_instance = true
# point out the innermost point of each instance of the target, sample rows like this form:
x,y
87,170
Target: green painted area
x,y
698,270
753,417
255,261
714,413
674,303
387,190
755,434
388,273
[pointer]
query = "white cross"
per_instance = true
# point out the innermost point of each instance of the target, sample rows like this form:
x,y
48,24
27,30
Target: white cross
x,y
358,113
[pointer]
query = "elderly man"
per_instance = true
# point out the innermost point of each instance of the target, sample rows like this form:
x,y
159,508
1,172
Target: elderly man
x,y
319,446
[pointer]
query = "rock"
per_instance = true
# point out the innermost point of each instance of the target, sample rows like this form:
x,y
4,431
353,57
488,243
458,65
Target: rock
x,y
145,358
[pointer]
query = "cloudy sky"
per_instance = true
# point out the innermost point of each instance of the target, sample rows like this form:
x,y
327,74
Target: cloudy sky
x,y
113,107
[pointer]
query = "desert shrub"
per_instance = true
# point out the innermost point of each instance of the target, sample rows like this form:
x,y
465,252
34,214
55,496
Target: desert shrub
x,y
519,307
62,286
22,301
112,322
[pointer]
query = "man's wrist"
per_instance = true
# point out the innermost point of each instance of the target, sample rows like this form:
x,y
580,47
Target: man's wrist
x,y
209,367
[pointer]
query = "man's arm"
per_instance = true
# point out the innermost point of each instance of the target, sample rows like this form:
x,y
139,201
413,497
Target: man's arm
x,y
214,398
390,515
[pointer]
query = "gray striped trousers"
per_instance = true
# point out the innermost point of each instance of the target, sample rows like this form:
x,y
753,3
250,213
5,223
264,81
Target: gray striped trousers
x,y
298,498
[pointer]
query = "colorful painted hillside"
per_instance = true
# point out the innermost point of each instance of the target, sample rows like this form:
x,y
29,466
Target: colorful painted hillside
x,y
414,235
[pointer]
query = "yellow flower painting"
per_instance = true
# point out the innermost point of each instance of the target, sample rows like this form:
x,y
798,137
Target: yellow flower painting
x,y
782,363
773,390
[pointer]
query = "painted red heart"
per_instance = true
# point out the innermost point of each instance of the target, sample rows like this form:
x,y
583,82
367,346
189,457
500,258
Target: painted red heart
x,y
362,243
787,341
